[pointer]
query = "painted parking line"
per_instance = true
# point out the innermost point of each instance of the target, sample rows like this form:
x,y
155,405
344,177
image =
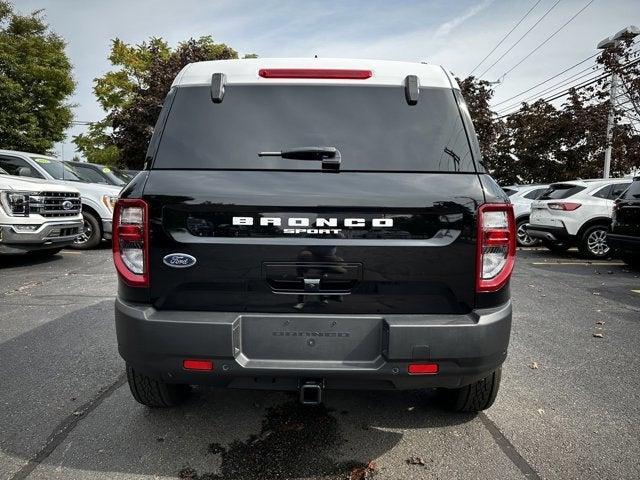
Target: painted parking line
x,y
71,252
611,264
636,291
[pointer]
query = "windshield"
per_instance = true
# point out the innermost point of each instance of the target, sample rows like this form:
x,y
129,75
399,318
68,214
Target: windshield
x,y
58,170
372,127
117,177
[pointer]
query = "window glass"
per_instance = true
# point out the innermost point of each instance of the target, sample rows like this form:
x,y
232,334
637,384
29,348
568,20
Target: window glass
x,y
560,190
510,191
18,167
58,170
88,174
373,127
534,194
603,192
634,191
617,190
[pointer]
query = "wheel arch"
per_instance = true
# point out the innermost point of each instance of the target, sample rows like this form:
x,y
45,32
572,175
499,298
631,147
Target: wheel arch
x,y
605,221
96,215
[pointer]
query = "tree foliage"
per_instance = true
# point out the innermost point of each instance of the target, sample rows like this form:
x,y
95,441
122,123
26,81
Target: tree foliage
x,y
35,82
132,95
547,142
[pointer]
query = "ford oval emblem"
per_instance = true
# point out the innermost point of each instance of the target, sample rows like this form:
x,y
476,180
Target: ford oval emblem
x,y
179,260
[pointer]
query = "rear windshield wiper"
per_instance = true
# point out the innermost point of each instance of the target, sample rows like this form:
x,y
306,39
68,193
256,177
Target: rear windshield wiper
x,y
329,156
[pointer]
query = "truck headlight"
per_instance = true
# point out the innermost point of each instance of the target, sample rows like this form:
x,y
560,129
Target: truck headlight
x,y
109,201
15,204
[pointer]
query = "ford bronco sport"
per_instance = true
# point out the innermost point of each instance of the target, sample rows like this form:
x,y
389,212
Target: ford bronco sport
x,y
312,224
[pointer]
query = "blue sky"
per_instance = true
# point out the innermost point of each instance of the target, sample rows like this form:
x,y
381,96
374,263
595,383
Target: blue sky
x,y
455,33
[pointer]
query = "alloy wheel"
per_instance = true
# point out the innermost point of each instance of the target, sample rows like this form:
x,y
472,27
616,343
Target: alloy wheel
x,y
597,243
87,233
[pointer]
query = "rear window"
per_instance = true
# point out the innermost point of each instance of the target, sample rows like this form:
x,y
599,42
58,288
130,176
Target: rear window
x,y
560,190
633,192
373,127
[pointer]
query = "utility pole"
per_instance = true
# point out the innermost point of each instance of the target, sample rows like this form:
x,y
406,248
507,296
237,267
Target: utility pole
x,y
604,44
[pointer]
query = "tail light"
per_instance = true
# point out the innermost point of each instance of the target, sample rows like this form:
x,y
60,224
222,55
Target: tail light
x,y
496,246
566,206
131,241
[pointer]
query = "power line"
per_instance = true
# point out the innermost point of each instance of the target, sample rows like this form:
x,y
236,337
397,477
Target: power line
x,y
547,80
576,87
520,39
562,94
505,37
555,87
547,39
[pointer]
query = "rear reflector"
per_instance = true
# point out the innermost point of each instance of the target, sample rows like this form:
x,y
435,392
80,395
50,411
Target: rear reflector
x,y
315,73
423,368
200,365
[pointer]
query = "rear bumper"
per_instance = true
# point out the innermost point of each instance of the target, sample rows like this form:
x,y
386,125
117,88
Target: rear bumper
x,y
549,233
626,243
14,239
466,347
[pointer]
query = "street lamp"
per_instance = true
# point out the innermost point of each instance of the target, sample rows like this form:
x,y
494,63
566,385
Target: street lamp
x,y
604,44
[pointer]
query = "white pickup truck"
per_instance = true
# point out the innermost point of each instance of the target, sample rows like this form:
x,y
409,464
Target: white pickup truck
x,y
36,216
97,199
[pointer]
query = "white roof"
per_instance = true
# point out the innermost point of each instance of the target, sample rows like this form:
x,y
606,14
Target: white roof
x,y
245,71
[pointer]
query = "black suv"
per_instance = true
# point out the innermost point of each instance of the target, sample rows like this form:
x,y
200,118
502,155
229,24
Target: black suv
x,y
314,224
625,224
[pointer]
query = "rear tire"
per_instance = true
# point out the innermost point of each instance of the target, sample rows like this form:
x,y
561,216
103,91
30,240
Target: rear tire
x,y
556,247
472,398
593,242
91,233
155,393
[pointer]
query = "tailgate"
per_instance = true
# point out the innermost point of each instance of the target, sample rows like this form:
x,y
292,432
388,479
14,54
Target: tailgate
x,y
316,242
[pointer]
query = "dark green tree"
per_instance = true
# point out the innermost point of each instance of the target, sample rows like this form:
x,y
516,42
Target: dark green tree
x,y
35,82
132,95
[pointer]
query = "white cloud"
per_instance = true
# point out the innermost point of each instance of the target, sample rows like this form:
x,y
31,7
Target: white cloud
x,y
446,28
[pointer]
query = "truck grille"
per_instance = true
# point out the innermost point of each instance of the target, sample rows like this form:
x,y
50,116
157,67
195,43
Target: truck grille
x,y
55,204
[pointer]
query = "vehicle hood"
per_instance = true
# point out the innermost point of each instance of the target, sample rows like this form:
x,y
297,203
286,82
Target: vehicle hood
x,y
12,182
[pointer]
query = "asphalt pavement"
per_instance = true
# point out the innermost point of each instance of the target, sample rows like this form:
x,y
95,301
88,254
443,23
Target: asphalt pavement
x,y
568,408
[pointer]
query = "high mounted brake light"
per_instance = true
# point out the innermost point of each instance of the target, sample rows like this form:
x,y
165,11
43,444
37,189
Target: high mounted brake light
x,y
496,246
338,74
131,241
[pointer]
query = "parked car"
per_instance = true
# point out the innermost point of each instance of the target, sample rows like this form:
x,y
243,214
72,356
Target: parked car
x,y
97,199
37,217
311,224
625,224
94,173
521,197
576,213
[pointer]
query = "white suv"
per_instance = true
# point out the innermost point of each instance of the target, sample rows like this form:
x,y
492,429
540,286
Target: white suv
x,y
576,213
521,197
97,199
